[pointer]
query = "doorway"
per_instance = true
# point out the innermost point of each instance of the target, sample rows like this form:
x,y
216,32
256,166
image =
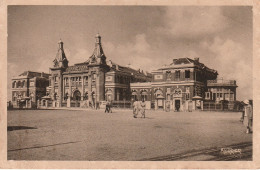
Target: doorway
x,y
177,105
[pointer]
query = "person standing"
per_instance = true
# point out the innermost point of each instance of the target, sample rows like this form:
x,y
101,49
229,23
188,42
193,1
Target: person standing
x,y
135,108
107,107
143,105
249,114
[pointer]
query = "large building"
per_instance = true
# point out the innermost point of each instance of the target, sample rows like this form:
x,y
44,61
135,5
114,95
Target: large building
x,y
28,87
91,81
176,86
182,85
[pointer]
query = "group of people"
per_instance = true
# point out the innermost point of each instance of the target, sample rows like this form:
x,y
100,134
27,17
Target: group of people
x,y
247,115
139,107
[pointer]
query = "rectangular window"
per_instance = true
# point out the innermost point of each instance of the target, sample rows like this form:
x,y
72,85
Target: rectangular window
x,y
187,74
220,95
231,96
187,96
177,74
207,95
217,95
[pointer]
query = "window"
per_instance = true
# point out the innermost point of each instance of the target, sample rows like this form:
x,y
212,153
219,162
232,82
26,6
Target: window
x,y
86,96
207,95
231,96
187,89
144,95
168,75
220,95
217,95
177,74
14,84
187,96
187,74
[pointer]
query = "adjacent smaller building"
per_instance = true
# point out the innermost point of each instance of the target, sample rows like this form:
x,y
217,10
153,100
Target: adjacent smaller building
x,y
220,89
28,87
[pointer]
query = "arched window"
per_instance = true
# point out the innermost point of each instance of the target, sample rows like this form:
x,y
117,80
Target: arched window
x,y
76,95
158,93
86,96
14,84
134,95
66,96
144,95
18,84
55,96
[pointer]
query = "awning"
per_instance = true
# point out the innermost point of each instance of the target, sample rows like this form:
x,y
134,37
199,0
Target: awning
x,y
197,98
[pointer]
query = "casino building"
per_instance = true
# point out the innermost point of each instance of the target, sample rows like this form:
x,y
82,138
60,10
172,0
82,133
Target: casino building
x,y
91,81
177,86
182,85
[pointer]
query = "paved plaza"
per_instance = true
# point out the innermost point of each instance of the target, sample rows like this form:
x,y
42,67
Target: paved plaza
x,y
96,136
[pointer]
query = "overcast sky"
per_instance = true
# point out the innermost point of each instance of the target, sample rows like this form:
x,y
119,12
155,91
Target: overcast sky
x,y
146,37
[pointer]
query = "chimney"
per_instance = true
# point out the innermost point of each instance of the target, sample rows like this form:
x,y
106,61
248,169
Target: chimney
x,y
197,59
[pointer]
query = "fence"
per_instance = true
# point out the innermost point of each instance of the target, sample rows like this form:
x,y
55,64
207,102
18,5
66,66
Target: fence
x,y
212,106
122,104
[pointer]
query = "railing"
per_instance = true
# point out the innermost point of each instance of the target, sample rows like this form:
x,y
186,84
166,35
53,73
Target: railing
x,y
122,104
212,106
221,81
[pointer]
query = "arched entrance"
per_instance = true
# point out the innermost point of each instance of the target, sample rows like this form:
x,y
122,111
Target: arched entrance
x,y
76,95
76,98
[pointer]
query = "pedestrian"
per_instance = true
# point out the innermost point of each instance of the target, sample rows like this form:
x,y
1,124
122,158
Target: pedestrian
x,y
107,107
241,106
110,106
143,105
248,122
135,108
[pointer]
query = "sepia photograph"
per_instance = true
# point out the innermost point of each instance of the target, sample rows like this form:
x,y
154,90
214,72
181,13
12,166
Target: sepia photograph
x,y
129,83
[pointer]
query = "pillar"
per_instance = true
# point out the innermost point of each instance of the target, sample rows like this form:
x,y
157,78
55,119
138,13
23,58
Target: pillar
x,y
89,87
69,93
68,102
60,90
52,87
82,87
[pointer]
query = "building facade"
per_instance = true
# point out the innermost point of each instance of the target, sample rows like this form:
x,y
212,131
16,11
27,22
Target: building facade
x,y
27,88
182,85
177,86
90,82
220,90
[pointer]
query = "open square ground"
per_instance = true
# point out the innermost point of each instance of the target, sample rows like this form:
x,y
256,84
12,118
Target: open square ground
x,y
94,135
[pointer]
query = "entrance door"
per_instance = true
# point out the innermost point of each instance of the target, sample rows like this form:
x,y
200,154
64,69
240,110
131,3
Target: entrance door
x,y
177,105
76,98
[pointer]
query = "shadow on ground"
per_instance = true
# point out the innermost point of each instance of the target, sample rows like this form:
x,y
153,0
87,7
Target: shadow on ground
x,y
12,128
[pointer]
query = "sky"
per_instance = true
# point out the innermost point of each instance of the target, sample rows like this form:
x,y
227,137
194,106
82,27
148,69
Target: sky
x,y
146,37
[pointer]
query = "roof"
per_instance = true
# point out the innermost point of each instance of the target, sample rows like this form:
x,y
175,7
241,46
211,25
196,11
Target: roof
x,y
98,55
31,74
118,68
60,59
186,60
77,68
